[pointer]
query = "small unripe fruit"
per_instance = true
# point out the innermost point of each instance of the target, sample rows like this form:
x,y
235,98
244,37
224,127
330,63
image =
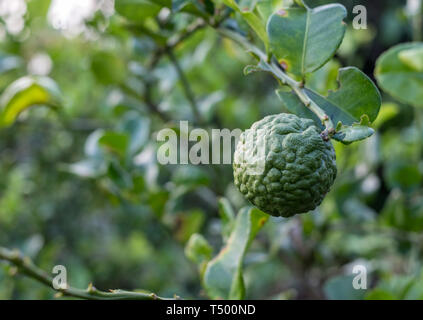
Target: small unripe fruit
x,y
283,166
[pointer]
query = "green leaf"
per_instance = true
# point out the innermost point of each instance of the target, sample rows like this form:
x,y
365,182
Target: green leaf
x,y
108,68
399,72
188,223
357,99
413,58
267,7
354,105
190,176
257,25
88,168
349,134
341,288
92,148
198,249
223,276
253,20
119,177
195,7
304,39
115,142
24,93
137,129
227,217
294,105
380,294
324,79
137,10
357,96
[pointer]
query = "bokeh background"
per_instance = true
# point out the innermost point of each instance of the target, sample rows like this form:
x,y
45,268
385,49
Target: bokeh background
x,y
80,184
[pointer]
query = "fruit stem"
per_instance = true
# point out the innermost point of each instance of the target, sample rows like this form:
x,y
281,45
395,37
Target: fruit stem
x,y
297,87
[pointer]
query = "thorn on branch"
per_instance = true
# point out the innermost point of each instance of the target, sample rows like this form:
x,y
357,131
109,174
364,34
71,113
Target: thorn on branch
x,y
91,288
27,267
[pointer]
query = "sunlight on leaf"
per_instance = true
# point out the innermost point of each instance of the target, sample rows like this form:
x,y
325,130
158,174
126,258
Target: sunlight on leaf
x,y
24,93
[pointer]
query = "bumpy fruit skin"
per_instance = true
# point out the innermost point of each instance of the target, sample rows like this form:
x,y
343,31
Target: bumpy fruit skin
x,y
298,166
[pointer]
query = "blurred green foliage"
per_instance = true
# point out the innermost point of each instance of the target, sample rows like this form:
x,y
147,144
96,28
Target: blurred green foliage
x,y
80,183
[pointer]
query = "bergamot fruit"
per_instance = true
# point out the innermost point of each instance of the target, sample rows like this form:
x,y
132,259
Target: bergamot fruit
x,y
283,166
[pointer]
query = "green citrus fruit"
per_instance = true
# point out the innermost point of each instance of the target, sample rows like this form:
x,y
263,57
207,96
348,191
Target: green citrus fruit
x,y
283,166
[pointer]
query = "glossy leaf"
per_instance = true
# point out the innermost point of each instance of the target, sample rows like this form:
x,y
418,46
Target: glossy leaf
x,y
223,276
324,79
190,176
88,168
227,217
357,96
24,93
195,7
349,134
137,10
304,39
115,142
267,7
355,104
108,68
294,105
138,130
399,72
346,134
413,58
198,249
92,148
341,288
189,223
256,24
252,19
119,177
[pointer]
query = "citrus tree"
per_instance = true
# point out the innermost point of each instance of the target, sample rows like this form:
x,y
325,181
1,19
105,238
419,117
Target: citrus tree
x,y
340,182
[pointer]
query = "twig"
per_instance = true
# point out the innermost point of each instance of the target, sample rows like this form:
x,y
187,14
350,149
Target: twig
x,y
28,268
186,86
157,55
147,100
296,86
173,42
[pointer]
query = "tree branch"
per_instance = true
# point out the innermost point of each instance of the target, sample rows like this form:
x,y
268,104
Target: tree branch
x,y
167,48
147,100
174,41
296,86
28,268
186,86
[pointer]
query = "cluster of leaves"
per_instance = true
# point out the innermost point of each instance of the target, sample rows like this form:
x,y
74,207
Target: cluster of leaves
x,y
82,186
